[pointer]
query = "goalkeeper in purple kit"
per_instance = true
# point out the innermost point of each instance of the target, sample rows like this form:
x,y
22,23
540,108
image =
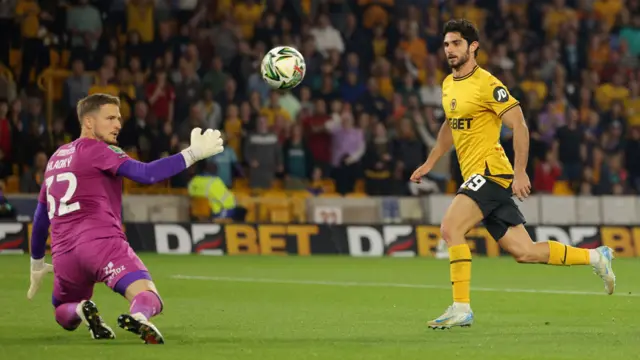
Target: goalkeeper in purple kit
x,y
80,201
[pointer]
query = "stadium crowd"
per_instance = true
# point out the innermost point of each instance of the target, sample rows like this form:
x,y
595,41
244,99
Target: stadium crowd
x,y
369,106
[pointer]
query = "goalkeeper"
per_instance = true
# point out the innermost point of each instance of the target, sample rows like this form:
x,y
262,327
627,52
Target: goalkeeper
x,y
81,202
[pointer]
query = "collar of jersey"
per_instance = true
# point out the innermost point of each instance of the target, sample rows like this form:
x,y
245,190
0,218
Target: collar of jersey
x,y
466,76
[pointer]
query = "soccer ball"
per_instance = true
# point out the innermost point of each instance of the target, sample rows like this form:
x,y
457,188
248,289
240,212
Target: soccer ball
x,y
283,67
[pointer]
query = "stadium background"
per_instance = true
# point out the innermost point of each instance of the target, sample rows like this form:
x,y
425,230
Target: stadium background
x,y
377,64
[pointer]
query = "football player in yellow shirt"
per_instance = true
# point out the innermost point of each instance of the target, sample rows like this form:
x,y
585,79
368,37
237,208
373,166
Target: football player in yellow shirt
x,y
476,104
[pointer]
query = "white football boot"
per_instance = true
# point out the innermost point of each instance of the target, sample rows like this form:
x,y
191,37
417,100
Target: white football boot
x,y
602,268
456,315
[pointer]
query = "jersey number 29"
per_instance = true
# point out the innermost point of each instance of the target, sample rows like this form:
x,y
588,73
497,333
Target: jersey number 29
x,y
64,207
474,183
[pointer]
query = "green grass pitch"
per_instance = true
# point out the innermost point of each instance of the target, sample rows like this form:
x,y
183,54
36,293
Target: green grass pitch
x,y
293,308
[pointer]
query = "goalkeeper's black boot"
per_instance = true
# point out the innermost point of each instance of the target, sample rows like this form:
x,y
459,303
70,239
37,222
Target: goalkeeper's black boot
x,y
139,325
88,312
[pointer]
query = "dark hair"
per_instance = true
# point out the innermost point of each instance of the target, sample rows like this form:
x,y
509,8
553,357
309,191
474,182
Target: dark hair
x,y
93,103
467,30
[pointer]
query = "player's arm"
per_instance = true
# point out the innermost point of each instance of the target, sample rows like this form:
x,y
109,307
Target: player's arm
x,y
514,119
39,236
498,99
444,141
203,145
40,232
153,172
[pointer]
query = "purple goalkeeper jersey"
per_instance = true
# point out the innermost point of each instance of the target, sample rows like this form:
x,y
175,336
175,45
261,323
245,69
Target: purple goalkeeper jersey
x,y
83,193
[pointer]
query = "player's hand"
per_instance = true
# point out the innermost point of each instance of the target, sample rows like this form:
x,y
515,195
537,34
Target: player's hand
x,y
521,185
420,172
39,269
204,145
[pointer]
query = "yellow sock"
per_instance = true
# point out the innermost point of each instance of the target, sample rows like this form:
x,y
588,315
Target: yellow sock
x,y
560,254
460,267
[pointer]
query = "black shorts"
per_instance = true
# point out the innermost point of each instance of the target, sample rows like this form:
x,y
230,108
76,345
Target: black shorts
x,y
498,208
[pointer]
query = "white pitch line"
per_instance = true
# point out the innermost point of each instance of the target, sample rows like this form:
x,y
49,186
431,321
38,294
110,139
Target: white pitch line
x,y
392,285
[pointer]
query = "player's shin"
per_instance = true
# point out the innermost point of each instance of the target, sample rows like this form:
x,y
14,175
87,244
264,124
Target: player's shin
x,y
460,267
67,316
147,303
560,254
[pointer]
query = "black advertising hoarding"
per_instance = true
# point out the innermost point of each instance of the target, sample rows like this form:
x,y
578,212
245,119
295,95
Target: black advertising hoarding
x,y
309,239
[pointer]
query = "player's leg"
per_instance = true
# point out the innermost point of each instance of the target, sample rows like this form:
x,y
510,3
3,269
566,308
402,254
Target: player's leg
x,y
145,304
66,314
73,307
127,275
519,244
462,215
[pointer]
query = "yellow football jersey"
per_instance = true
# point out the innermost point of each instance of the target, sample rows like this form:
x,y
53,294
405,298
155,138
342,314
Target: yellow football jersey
x,y
474,105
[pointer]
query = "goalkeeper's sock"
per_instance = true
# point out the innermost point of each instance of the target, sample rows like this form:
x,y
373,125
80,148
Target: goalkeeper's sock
x,y
147,303
67,316
460,268
560,254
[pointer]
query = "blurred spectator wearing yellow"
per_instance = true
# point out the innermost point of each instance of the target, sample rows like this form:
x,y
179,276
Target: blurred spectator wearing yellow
x,y
247,13
140,18
221,201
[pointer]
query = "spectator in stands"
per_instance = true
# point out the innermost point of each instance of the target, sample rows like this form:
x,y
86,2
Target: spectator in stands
x,y
7,27
409,149
84,23
5,131
221,200
378,163
59,136
229,95
136,127
187,89
140,18
573,66
427,127
127,93
134,48
547,172
316,135
18,132
613,177
34,116
587,186
8,89
226,163
5,165
632,152
298,160
77,85
161,96
104,83
7,211
211,110
31,180
196,119
28,15
233,130
272,109
139,76
216,77
264,156
327,37
569,145
347,148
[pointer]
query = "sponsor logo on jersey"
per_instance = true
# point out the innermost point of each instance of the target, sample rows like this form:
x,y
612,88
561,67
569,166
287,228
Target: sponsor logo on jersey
x,y
116,149
460,123
500,94
112,271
